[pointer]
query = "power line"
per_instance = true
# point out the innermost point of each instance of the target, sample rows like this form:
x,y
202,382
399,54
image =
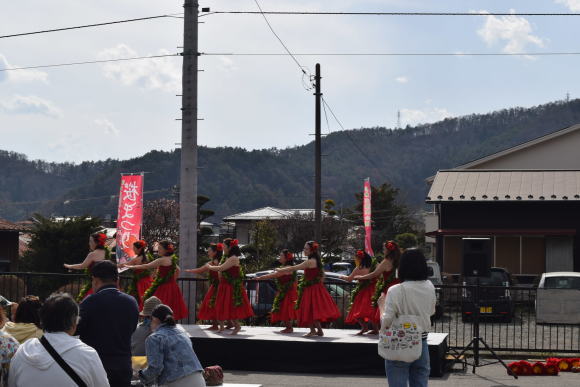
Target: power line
x,y
327,13
555,53
90,62
88,26
280,40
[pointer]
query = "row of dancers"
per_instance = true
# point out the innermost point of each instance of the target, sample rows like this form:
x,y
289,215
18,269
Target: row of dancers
x,y
305,301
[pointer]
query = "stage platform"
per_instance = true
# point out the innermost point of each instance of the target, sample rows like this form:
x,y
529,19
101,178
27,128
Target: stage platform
x,y
339,351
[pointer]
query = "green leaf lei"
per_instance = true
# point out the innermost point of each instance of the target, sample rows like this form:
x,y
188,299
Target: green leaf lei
x,y
215,282
132,289
162,280
304,283
282,291
362,284
237,284
381,285
87,286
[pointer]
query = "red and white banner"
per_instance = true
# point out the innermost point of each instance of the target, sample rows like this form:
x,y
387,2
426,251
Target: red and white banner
x,y
367,216
130,215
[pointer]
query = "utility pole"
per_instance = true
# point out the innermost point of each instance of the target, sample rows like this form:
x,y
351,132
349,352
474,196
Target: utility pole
x,y
188,173
318,161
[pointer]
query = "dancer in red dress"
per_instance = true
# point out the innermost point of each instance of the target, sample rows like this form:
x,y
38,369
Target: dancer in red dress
x,y
286,295
314,304
207,310
98,252
232,301
361,310
141,280
165,285
387,273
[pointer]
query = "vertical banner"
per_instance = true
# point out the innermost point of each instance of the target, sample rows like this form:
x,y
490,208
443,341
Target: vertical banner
x,y
367,216
130,215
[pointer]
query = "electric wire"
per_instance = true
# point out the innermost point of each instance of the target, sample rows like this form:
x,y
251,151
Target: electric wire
x,y
378,13
552,53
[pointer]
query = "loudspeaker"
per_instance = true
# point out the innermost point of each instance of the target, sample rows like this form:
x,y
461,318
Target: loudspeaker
x,y
477,257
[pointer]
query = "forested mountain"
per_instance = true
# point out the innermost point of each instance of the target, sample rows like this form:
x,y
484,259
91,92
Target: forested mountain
x,y
236,179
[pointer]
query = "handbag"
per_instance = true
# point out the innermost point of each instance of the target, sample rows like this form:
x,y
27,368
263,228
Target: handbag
x,y
402,340
213,375
63,364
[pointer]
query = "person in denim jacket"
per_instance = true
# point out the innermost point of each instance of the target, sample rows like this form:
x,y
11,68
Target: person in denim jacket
x,y
171,360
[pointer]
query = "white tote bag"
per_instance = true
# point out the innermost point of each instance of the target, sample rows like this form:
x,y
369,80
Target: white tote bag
x,y
402,340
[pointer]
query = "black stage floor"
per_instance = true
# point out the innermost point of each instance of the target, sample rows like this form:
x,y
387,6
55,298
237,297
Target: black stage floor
x,y
340,351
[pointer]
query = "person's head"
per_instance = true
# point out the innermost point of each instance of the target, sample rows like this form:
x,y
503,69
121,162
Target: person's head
x,y
286,258
140,248
28,311
166,248
231,247
413,266
3,318
312,250
392,254
97,241
215,251
148,306
162,315
104,273
362,259
59,313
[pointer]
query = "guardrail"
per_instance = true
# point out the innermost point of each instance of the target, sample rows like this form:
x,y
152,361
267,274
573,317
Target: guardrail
x,y
507,323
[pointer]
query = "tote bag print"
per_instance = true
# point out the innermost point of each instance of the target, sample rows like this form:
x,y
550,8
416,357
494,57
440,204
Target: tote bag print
x,y
402,341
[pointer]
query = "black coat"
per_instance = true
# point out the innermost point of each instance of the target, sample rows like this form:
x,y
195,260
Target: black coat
x,y
108,319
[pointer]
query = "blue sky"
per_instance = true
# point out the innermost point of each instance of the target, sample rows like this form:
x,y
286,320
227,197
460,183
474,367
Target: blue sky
x,y
125,109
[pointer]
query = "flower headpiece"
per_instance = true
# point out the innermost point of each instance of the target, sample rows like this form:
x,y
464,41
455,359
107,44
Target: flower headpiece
x,y
100,239
314,246
219,247
140,244
233,243
391,246
289,256
360,254
170,248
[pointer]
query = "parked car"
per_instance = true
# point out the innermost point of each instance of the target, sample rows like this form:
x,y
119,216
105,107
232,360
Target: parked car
x,y
262,293
557,298
495,300
342,268
435,277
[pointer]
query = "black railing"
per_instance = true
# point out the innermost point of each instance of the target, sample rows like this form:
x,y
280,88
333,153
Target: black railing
x,y
507,320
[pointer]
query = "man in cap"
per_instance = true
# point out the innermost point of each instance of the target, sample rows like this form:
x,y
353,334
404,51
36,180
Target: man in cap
x,y
144,328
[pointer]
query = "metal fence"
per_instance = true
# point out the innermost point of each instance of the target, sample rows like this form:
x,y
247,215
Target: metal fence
x,y
511,329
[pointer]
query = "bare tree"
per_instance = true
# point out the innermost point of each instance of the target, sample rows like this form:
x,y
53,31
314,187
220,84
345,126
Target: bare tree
x,y
161,220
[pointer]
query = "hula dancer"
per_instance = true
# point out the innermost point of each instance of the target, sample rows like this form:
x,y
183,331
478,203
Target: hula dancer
x,y
165,285
207,310
388,269
232,301
286,295
361,309
141,280
98,252
314,304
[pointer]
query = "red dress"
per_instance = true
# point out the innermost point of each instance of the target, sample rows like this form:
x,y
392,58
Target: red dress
x,y
225,308
170,294
142,285
316,303
287,311
386,275
207,311
362,307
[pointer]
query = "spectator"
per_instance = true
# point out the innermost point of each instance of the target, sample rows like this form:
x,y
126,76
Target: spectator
x,y
8,347
144,329
414,296
108,319
170,356
34,366
26,323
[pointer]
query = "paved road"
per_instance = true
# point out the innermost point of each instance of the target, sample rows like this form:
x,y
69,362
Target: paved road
x,y
489,376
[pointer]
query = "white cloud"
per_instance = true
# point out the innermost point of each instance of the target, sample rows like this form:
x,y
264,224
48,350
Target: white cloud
x,y
573,5
108,127
20,75
417,116
158,73
29,105
515,32
402,79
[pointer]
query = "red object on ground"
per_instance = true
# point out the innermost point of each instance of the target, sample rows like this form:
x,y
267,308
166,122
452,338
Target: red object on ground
x,y
514,367
539,368
565,365
526,368
552,369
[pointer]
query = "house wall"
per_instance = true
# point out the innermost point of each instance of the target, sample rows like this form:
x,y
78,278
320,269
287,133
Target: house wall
x,y
526,256
8,250
558,153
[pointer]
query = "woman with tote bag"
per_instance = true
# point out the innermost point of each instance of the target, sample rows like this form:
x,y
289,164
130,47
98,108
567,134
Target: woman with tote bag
x,y
407,311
